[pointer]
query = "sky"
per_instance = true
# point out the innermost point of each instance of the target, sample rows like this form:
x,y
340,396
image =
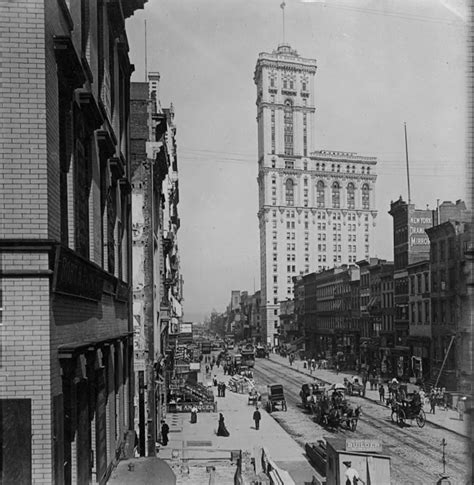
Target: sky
x,y
380,63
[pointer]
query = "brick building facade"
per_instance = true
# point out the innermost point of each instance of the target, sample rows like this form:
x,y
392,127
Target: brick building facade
x,y
66,359
157,291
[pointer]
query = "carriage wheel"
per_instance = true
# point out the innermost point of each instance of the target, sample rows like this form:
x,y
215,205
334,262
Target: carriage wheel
x,y
401,417
283,406
421,418
269,407
394,416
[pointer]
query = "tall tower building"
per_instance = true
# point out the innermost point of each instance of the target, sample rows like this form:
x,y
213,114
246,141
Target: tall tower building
x,y
316,208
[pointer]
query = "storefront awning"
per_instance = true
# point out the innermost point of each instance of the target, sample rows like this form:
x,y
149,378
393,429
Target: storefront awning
x,y
71,349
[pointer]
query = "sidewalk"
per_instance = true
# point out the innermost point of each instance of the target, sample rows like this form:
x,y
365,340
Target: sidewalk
x,y
194,451
448,419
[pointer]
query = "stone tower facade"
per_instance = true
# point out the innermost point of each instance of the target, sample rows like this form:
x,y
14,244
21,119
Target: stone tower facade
x,y
316,208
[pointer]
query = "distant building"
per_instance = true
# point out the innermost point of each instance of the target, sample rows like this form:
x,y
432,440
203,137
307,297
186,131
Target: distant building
x,y
316,208
157,290
450,305
419,316
410,245
329,313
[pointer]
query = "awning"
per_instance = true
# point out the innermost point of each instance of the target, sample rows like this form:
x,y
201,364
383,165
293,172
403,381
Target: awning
x,y
71,349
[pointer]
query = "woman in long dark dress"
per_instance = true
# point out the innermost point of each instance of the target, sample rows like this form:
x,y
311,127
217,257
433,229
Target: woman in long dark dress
x,y
222,430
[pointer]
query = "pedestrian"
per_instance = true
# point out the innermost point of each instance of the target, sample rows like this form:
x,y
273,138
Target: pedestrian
x,y
219,389
207,369
351,474
257,417
214,381
461,408
225,369
221,429
313,364
444,395
337,369
382,393
165,429
194,411
432,403
223,388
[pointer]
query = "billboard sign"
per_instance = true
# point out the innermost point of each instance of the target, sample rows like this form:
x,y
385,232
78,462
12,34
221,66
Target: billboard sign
x,y
419,221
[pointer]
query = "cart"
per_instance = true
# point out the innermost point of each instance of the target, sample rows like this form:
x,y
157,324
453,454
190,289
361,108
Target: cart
x,y
276,398
403,410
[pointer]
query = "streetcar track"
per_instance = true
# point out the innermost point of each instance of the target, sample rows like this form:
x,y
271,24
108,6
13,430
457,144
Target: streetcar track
x,y
399,436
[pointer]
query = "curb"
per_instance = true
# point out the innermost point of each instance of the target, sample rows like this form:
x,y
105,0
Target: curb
x,y
436,425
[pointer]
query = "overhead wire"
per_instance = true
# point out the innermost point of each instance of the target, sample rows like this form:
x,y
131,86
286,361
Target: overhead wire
x,y
393,14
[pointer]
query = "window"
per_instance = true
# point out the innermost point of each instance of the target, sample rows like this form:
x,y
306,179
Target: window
x,y
273,162
305,182
273,130
289,192
303,85
365,197
320,194
427,311
336,196
288,127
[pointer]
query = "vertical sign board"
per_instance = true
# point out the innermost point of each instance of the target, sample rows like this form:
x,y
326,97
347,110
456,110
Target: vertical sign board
x,y
419,242
15,441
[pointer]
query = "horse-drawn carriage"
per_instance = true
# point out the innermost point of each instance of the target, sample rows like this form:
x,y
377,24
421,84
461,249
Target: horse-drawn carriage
x,y
408,409
335,411
311,393
354,386
276,398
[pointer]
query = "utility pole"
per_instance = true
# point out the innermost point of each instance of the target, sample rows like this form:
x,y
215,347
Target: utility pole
x,y
408,168
282,6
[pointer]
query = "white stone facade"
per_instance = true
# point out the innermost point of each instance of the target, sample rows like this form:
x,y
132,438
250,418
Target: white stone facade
x,y
316,208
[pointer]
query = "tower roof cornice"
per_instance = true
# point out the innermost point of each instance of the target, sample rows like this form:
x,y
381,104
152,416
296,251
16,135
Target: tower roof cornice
x,y
284,58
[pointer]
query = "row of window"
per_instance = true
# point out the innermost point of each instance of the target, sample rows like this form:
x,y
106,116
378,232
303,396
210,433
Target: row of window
x,y
320,167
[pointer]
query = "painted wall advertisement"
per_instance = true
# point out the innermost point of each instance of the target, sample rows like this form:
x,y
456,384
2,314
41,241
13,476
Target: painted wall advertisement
x,y
418,222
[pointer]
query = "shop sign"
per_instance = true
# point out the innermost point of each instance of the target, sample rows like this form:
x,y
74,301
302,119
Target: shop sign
x,y
182,368
187,406
373,446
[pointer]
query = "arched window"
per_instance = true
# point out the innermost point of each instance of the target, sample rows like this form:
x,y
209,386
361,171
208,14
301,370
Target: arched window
x,y
353,168
365,197
290,192
288,127
368,170
320,194
323,167
317,167
336,195
350,196
363,169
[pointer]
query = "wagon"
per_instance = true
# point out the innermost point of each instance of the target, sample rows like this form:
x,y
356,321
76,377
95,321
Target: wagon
x,y
276,398
336,414
354,386
403,410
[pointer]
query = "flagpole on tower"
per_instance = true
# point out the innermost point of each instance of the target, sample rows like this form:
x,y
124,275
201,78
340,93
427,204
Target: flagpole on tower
x,y
282,6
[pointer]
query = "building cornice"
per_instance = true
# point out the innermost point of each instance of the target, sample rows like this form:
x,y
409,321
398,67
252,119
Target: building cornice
x,y
319,174
281,106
